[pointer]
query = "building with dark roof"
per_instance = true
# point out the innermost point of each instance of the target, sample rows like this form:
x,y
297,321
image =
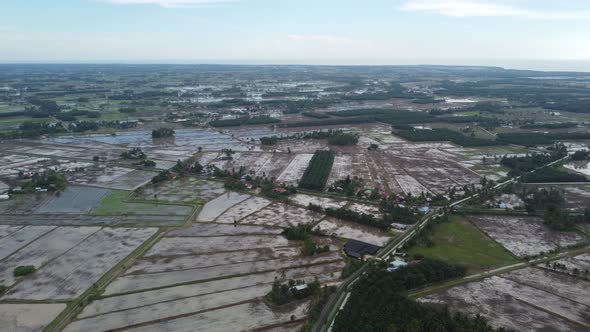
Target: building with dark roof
x,y
357,249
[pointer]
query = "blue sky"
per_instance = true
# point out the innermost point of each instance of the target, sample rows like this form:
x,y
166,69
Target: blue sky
x,y
302,31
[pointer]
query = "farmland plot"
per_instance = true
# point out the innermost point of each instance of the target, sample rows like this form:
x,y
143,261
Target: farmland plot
x,y
580,262
525,236
350,230
275,165
243,209
324,202
510,304
366,209
282,215
186,262
23,204
186,189
21,238
159,279
294,171
112,177
204,229
73,200
565,286
410,186
329,272
44,249
170,246
341,169
252,162
120,319
240,317
71,274
214,208
6,230
28,317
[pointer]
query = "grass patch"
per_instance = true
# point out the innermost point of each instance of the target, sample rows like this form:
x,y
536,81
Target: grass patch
x,y
115,204
460,242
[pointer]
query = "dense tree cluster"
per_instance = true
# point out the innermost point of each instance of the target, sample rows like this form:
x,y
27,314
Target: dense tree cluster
x,y
317,172
581,155
283,293
344,138
316,134
315,115
133,153
443,134
23,270
244,121
357,217
299,232
377,302
555,125
552,174
328,122
533,139
162,132
550,204
50,180
347,186
523,164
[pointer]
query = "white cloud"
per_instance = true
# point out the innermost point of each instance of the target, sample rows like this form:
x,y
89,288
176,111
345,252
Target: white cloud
x,y
477,8
170,3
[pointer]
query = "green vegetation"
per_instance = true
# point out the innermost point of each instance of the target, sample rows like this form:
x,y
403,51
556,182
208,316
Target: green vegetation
x,y
550,204
299,232
48,180
352,265
134,153
344,139
532,139
457,241
162,132
443,134
581,155
311,248
357,217
285,293
327,122
244,121
347,186
115,204
558,125
377,302
552,174
317,172
316,134
519,165
23,270
315,115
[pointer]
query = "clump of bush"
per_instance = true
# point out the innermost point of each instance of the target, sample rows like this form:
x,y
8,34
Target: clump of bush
x,y
162,132
23,270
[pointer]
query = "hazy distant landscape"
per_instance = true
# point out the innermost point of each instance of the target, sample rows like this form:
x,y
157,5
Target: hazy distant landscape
x,y
164,197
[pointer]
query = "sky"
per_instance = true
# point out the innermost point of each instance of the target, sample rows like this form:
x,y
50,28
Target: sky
x,y
535,34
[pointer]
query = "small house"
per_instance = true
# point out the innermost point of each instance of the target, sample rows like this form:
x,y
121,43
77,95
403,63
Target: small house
x,y
399,227
396,264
